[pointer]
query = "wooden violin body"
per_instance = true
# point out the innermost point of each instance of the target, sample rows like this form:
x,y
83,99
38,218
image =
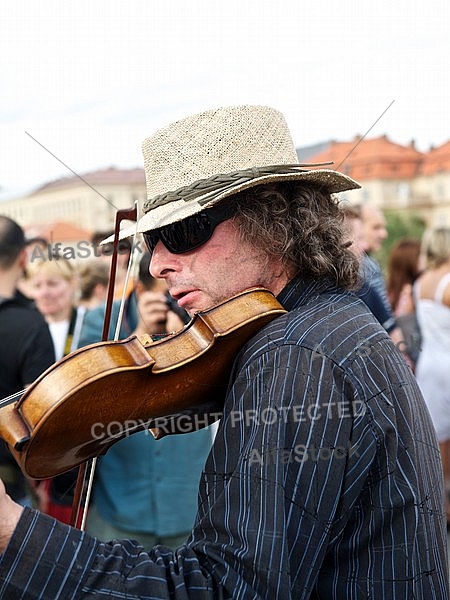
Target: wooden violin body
x,y
101,393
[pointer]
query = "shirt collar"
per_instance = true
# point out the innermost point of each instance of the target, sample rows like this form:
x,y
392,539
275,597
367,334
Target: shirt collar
x,y
299,291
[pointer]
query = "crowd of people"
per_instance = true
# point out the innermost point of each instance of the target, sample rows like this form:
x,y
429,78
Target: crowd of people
x,y
329,472
417,294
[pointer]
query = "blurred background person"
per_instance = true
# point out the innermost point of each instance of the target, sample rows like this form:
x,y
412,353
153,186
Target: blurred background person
x,y
367,290
403,269
36,247
146,489
353,228
105,252
54,288
26,347
53,284
93,280
157,312
374,232
432,294
404,266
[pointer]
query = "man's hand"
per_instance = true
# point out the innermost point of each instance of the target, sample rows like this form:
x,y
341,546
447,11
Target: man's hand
x,y
10,513
152,313
173,323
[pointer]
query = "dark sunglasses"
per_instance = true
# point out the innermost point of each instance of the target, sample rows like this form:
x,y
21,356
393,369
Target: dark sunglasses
x,y
190,233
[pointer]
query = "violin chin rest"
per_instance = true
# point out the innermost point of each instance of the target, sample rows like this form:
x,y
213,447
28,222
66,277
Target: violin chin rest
x,y
21,443
13,429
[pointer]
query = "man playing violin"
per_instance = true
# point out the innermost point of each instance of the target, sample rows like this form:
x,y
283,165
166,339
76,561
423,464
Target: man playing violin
x,y
325,479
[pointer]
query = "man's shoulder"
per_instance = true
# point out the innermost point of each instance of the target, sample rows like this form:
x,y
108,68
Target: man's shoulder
x,y
93,314
331,318
93,320
21,308
17,300
98,313
370,266
331,315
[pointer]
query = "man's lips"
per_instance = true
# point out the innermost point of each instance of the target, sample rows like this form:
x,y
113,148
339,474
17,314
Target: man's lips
x,y
183,296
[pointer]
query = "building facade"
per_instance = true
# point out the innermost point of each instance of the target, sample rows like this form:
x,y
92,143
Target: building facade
x,y
89,202
393,177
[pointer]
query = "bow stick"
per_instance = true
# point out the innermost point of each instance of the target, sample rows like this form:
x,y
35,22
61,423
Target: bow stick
x,y
89,466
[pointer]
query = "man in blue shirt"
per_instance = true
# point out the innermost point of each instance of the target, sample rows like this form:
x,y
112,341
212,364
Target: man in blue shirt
x,y
374,233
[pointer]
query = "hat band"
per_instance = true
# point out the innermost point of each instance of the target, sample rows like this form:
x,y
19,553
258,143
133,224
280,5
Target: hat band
x,y
217,184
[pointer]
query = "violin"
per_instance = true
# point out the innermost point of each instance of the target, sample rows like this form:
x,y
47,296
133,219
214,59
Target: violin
x,y
99,394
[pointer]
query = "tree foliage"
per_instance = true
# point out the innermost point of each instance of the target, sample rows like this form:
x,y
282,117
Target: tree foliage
x,y
399,226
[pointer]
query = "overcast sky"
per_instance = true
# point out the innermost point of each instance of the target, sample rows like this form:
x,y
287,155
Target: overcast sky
x,y
83,83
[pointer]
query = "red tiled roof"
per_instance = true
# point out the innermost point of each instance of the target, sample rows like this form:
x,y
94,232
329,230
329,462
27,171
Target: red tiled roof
x,y
436,160
376,158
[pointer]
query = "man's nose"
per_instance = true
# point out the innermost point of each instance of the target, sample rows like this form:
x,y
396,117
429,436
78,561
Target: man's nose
x,y
163,261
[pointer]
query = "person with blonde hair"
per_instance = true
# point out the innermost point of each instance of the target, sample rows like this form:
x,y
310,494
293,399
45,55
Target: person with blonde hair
x,y
53,284
432,295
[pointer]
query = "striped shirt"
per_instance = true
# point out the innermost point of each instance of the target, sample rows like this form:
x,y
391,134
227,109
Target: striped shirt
x,y
324,481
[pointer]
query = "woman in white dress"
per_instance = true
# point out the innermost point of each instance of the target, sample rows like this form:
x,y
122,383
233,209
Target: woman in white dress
x,y
432,292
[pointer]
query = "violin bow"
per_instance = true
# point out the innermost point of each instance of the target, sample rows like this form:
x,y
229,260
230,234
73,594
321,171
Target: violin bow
x,y
89,466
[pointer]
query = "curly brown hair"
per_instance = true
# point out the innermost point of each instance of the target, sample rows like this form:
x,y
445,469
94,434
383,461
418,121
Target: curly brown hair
x,y
300,225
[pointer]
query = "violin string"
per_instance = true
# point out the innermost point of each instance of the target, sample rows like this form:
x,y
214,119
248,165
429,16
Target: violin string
x,y
88,492
12,398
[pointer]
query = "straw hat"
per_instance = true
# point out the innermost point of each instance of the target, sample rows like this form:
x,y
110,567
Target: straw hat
x,y
196,162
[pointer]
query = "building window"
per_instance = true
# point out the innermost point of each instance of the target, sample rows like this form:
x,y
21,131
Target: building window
x,y
440,190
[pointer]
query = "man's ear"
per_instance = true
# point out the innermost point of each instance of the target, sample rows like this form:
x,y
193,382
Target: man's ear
x,y
23,259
